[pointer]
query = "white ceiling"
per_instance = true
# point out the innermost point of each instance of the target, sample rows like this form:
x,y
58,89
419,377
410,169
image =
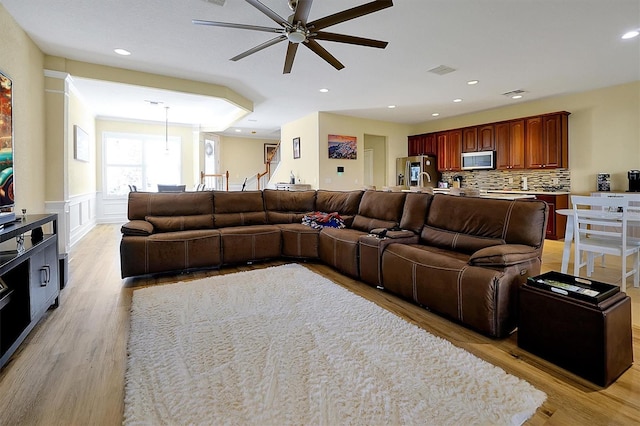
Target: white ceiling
x,y
544,47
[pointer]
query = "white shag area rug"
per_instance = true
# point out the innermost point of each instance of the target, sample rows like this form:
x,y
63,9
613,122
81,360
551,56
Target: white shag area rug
x,y
284,345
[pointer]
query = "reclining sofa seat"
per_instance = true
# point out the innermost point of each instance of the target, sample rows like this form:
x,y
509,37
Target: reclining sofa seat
x,y
340,248
172,232
472,256
285,209
246,235
414,214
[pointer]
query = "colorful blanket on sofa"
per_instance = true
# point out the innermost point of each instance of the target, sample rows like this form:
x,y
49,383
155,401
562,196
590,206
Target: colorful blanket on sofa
x,y
318,220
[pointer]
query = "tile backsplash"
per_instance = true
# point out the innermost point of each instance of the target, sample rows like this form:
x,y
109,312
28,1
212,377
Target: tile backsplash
x,y
537,180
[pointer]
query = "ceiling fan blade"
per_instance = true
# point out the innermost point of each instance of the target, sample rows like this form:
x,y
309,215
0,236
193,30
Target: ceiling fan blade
x,y
270,13
302,11
239,26
259,47
348,14
342,38
322,52
288,60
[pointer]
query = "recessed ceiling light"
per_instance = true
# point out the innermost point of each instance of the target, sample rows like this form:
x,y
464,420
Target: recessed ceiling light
x,y
324,90
472,82
630,34
435,114
123,52
516,97
391,106
238,130
457,100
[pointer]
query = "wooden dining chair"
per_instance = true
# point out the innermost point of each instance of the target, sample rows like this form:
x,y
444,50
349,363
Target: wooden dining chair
x,y
600,225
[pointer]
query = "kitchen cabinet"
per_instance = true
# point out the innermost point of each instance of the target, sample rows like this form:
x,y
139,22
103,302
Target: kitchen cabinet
x,y
422,145
486,139
478,138
510,147
470,139
449,150
547,141
556,223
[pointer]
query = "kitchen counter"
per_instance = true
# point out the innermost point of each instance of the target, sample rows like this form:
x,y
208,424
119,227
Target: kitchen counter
x,y
517,191
507,191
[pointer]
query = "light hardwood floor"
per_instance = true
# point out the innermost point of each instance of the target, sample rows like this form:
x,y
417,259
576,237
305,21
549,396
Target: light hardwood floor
x,y
70,370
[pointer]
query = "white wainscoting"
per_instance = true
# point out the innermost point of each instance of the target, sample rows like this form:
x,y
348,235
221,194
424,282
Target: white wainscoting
x,y
112,210
76,217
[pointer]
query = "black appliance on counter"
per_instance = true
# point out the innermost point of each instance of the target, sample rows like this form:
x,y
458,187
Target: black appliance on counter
x,y
634,180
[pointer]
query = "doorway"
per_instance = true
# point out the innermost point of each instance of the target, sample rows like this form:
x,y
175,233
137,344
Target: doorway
x,y
375,160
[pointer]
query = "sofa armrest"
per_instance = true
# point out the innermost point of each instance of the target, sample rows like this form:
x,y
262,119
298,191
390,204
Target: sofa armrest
x,y
503,255
394,234
140,228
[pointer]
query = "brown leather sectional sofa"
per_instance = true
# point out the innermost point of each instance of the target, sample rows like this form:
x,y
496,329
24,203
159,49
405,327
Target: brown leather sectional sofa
x,y
461,257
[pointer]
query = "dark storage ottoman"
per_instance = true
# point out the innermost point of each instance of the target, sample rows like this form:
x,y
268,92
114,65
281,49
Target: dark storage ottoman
x,y
588,336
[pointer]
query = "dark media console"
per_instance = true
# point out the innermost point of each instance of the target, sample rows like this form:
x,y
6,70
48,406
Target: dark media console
x,y
29,279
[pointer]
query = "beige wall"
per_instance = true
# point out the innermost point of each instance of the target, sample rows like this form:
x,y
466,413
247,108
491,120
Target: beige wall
x,y
81,175
243,158
305,168
396,135
604,131
22,61
188,138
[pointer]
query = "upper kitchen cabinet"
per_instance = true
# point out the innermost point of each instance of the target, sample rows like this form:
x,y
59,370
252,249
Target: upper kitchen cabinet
x,y
470,139
510,147
478,138
449,150
486,138
547,141
422,145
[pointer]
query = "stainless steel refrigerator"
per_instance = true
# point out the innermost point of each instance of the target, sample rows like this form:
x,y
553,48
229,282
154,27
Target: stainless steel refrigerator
x,y
420,170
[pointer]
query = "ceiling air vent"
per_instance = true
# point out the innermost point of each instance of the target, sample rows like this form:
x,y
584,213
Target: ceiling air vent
x,y
218,2
442,70
513,93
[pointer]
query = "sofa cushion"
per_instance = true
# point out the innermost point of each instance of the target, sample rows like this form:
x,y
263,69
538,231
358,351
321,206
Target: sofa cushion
x,y
344,202
513,221
299,240
137,227
250,243
339,248
240,208
169,251
503,255
143,204
455,240
180,223
414,212
379,210
288,206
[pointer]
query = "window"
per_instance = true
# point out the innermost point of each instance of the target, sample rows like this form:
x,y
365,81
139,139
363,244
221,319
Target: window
x,y
141,160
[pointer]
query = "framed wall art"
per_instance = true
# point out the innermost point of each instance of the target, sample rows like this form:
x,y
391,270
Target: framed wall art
x,y
296,148
343,147
80,144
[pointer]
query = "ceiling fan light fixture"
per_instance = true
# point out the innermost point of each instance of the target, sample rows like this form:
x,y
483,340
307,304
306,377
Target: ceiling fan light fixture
x,y
298,35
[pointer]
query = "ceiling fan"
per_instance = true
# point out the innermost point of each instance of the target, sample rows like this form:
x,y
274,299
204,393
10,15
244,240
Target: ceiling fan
x,y
297,30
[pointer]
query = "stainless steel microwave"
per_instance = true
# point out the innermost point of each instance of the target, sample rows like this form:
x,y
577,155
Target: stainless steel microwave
x,y
482,160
